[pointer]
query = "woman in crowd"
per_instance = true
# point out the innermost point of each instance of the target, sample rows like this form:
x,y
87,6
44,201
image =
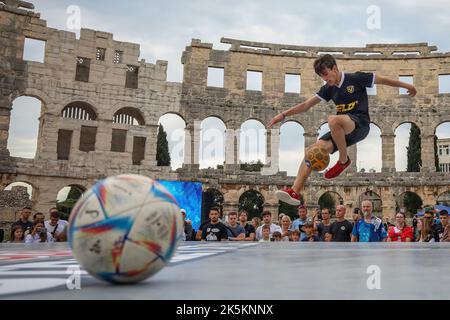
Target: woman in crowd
x,y
39,234
401,232
17,234
285,224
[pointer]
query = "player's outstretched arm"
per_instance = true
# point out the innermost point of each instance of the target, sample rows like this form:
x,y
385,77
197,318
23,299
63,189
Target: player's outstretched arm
x,y
397,84
302,107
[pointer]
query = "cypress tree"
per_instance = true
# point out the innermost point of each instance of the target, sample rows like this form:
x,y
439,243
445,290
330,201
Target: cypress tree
x,y
162,148
414,150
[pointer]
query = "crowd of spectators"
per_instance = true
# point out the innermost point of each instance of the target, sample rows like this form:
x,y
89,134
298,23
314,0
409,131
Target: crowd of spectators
x,y
433,226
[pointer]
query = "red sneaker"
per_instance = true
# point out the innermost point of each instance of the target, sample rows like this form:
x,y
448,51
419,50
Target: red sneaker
x,y
289,196
337,170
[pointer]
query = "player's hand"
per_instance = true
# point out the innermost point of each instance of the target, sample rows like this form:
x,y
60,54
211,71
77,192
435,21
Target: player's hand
x,y
412,91
275,120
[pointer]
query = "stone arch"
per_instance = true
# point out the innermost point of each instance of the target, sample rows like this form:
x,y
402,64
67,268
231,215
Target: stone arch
x,y
178,114
330,199
291,146
30,188
442,132
444,199
252,143
212,142
129,116
174,125
253,202
26,126
402,136
79,110
408,202
366,147
402,121
375,198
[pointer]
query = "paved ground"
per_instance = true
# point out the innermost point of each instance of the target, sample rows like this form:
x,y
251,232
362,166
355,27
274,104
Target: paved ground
x,y
231,271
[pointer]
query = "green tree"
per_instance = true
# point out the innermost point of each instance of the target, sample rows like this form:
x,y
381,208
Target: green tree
x,y
162,148
327,201
412,202
414,150
253,202
252,166
291,211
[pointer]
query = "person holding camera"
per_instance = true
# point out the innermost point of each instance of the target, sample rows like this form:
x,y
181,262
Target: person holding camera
x,y
39,234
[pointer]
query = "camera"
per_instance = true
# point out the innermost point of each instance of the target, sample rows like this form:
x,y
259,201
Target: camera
x,y
42,230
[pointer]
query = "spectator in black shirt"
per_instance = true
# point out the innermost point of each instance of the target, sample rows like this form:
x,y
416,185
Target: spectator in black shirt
x,y
24,221
214,230
341,229
323,228
250,231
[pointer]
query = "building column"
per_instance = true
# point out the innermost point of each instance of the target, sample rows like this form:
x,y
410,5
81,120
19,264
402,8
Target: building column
x,y
353,154
310,139
5,115
388,152
150,145
389,204
192,145
428,164
272,166
231,160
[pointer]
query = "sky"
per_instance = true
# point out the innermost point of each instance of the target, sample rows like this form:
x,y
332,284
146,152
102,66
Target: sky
x,y
165,28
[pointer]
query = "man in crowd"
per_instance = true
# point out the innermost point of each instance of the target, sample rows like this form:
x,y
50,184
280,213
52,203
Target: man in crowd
x,y
370,228
444,236
323,228
214,230
298,224
250,231
267,221
24,221
55,226
341,229
235,231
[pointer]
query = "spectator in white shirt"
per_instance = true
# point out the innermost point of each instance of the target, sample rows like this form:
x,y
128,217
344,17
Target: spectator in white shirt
x,y
267,221
39,234
55,225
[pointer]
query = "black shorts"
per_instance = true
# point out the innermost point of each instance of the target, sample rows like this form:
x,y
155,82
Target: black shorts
x,y
361,132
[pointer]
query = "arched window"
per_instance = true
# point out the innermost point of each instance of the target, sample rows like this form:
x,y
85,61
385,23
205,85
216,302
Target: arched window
x,y
79,111
129,116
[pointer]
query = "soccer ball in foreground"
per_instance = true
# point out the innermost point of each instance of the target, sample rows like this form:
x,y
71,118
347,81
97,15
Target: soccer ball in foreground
x,y
125,229
317,159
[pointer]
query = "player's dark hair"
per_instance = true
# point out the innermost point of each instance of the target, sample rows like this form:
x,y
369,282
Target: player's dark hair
x,y
27,208
233,213
326,61
443,213
214,209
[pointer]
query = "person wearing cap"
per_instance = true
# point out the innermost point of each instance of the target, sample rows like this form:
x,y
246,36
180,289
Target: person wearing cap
x,y
309,232
55,225
267,221
298,223
370,228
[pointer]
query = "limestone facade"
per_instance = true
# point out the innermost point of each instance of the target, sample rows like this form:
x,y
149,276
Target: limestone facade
x,y
150,96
